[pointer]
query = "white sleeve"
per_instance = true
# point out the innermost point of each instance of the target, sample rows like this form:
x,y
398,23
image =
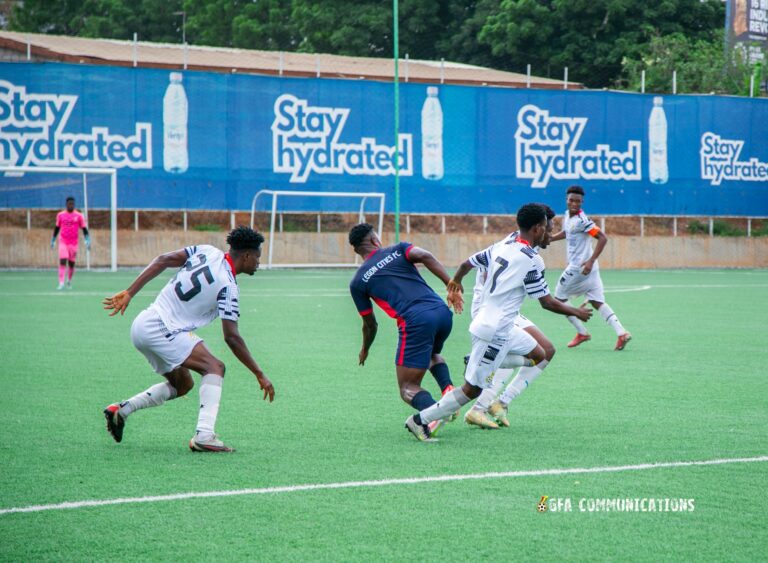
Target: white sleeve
x,y
229,308
586,224
535,285
481,259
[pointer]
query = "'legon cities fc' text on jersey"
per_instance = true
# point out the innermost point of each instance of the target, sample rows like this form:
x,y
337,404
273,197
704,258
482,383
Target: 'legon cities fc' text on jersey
x,y
579,230
513,270
393,282
201,290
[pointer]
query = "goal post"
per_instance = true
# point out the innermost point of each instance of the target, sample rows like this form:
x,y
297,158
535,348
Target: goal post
x,y
275,194
16,192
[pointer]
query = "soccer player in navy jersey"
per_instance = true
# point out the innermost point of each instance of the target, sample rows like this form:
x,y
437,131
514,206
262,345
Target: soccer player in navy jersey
x,y
389,277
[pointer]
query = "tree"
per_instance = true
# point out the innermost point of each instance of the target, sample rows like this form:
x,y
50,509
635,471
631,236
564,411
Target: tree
x,y
702,66
591,37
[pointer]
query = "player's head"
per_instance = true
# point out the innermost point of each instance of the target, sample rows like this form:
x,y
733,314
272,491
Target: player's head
x,y
70,204
550,225
245,249
363,238
532,220
574,198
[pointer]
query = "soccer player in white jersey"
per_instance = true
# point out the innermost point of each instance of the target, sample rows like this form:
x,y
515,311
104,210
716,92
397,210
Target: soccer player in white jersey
x,y
203,288
478,415
513,273
582,275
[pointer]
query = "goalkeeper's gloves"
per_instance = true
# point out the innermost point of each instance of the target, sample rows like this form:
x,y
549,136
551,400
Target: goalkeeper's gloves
x,y
87,242
53,242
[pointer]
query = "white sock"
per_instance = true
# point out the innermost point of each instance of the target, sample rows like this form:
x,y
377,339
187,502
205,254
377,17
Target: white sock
x,y
152,397
580,328
521,382
448,404
512,361
488,395
610,317
210,397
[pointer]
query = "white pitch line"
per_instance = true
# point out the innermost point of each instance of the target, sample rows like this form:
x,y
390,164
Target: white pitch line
x,y
379,483
628,289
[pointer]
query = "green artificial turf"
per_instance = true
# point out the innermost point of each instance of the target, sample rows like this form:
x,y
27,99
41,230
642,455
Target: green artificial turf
x,y
690,386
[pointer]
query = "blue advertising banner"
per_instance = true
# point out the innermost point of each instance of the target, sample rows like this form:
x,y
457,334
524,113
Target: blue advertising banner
x,y
200,140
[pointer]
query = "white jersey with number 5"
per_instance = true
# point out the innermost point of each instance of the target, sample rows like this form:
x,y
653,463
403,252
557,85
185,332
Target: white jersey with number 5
x,y
203,289
514,270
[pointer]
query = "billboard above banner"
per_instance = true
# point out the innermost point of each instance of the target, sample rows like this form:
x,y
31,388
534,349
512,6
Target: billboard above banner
x,y
746,25
199,140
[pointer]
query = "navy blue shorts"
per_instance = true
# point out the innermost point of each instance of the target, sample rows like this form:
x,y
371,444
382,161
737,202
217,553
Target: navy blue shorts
x,y
422,336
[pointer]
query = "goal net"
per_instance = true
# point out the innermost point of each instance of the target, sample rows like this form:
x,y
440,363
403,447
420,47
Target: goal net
x,y
320,202
94,189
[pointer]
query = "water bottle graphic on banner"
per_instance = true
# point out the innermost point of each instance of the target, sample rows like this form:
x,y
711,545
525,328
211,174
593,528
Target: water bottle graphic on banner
x,y
432,137
658,169
175,157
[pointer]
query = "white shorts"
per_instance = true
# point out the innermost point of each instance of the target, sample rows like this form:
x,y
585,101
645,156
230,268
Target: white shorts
x,y
164,350
573,283
486,357
523,322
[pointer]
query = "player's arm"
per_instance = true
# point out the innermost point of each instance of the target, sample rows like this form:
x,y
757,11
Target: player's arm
x,y
56,230
602,240
455,283
551,304
119,302
370,328
417,255
240,350
87,237
558,236
455,289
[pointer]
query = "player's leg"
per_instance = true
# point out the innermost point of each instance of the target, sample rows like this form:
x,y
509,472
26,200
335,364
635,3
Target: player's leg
x,y
412,358
165,352
62,266
596,296
409,380
70,273
483,361
521,349
567,287
212,371
443,323
525,376
487,399
71,255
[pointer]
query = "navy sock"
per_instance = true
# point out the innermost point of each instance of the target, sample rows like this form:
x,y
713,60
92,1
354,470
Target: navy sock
x,y
442,375
422,400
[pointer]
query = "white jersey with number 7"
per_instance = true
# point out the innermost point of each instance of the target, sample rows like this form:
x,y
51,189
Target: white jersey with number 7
x,y
514,271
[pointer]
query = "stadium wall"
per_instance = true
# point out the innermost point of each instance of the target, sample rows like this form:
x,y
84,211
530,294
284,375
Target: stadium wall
x,y
20,248
492,149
